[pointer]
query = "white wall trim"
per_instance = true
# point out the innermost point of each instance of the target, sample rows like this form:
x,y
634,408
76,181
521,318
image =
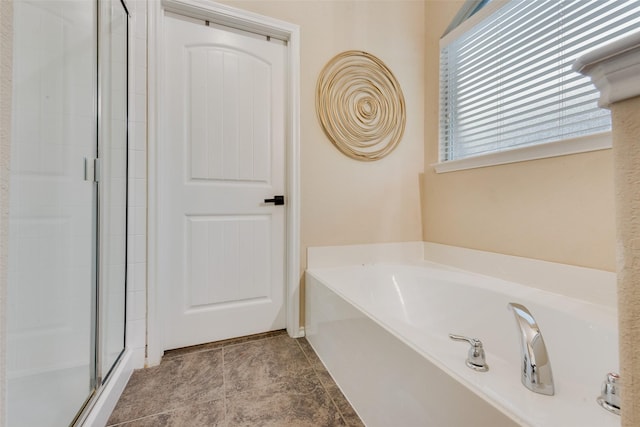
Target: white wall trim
x,y
468,24
293,273
614,69
247,21
582,144
154,55
231,17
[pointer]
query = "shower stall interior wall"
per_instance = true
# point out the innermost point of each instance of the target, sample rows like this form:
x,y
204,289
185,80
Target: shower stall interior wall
x,y
67,211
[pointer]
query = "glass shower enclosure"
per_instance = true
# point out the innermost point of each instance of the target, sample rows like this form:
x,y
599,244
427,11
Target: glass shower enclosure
x,y
67,208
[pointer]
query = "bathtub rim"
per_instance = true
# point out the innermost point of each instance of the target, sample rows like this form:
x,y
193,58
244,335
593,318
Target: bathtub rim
x,y
582,283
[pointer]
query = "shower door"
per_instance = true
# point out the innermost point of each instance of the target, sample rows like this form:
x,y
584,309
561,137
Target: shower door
x,y
112,138
67,209
52,208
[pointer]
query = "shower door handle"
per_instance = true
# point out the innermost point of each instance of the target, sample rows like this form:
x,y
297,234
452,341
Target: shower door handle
x,y
91,169
277,200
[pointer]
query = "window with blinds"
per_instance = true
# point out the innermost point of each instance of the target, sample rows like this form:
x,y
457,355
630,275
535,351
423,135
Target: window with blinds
x,y
507,82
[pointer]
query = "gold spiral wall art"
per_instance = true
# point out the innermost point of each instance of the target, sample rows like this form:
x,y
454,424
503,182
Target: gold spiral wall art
x,y
360,105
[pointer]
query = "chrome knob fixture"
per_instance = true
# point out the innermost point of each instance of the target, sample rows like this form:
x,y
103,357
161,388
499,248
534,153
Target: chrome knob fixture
x,y
476,359
610,393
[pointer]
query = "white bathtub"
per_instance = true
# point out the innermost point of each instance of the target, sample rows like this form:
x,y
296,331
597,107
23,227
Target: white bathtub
x,y
382,332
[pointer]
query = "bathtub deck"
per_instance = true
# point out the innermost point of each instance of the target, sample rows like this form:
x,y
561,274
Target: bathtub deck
x,y
267,380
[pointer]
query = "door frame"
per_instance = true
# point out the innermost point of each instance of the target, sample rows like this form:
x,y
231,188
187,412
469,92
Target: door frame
x,y
247,21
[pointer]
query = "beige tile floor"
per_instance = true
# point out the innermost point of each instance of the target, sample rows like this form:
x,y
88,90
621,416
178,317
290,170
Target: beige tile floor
x,y
263,380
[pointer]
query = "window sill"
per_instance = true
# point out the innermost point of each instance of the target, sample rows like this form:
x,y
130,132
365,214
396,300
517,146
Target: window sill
x,y
583,144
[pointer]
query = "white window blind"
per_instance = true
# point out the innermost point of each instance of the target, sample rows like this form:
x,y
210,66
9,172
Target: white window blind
x,y
507,82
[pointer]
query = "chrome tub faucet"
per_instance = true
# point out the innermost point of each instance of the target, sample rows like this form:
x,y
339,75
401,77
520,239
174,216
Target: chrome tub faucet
x,y
536,367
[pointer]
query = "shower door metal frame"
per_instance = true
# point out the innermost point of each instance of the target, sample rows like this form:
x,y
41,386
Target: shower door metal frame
x,y
99,379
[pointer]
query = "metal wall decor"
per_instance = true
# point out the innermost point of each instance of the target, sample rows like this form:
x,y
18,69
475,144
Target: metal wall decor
x,y
360,105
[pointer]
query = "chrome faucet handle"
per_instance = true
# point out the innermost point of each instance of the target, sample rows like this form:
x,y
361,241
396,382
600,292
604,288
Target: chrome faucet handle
x,y
610,393
476,359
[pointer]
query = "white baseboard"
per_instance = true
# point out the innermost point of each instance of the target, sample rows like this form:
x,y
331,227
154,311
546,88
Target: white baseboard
x,y
296,333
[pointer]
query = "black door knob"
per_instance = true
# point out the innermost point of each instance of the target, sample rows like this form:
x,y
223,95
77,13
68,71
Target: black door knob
x,y
277,200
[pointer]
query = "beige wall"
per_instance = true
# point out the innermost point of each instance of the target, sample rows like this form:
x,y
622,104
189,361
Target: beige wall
x,y
346,201
558,209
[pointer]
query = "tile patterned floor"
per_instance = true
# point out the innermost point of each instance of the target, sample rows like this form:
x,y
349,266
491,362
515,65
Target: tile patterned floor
x,y
264,380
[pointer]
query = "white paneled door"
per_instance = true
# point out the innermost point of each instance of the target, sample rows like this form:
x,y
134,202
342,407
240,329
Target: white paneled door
x,y
221,248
